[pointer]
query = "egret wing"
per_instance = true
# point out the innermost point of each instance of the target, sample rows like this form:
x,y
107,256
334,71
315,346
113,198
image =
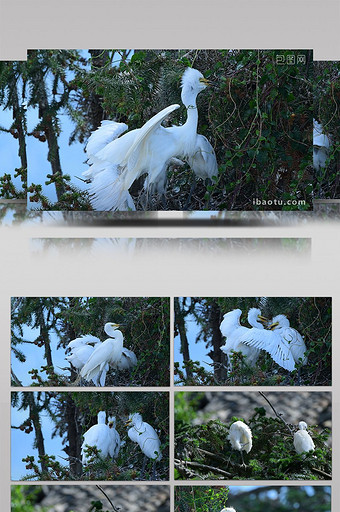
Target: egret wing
x,y
106,133
133,154
319,137
99,358
128,359
86,338
203,160
271,342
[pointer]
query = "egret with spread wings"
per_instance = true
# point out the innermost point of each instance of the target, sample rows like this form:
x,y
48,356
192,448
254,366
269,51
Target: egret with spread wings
x,y
115,165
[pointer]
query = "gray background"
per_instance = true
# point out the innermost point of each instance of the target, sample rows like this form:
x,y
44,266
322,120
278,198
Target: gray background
x,y
181,270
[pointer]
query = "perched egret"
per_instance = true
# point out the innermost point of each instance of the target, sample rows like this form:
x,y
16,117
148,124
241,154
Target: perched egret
x,y
240,437
321,146
145,435
104,354
114,435
98,436
147,150
284,344
302,440
233,331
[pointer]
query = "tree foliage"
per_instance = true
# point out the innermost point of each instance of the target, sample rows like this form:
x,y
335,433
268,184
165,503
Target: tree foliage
x,y
203,452
311,316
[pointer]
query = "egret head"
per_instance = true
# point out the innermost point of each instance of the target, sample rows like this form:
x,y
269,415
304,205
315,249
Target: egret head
x,y
279,322
110,327
134,419
256,319
302,425
102,417
193,82
111,422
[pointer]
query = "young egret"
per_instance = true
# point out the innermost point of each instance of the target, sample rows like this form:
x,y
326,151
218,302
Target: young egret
x,y
81,349
147,439
114,436
284,344
98,436
104,354
240,437
147,150
302,440
233,331
321,146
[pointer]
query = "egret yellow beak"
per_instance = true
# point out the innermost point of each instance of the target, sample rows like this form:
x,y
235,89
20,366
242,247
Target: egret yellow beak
x,y
115,325
263,319
127,423
273,326
205,81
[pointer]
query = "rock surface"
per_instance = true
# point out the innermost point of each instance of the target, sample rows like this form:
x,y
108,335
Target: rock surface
x,y
126,498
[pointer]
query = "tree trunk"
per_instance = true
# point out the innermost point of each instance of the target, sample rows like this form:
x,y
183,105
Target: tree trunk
x,y
217,342
74,439
39,438
180,322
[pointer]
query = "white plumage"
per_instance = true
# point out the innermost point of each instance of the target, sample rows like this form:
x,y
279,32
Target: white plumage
x,y
145,435
228,509
284,344
81,349
234,331
149,149
240,436
302,440
104,354
100,437
114,436
321,146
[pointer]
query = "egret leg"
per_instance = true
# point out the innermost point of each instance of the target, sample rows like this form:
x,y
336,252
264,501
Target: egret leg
x,y
143,467
243,464
207,183
192,190
154,471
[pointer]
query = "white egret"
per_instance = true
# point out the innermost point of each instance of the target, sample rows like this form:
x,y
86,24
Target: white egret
x,y
321,146
233,331
302,440
81,349
98,436
240,437
145,435
127,361
104,354
284,344
147,150
228,509
115,437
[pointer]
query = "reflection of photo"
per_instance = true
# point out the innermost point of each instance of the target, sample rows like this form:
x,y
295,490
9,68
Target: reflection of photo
x,y
90,436
253,435
216,130
253,341
90,341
